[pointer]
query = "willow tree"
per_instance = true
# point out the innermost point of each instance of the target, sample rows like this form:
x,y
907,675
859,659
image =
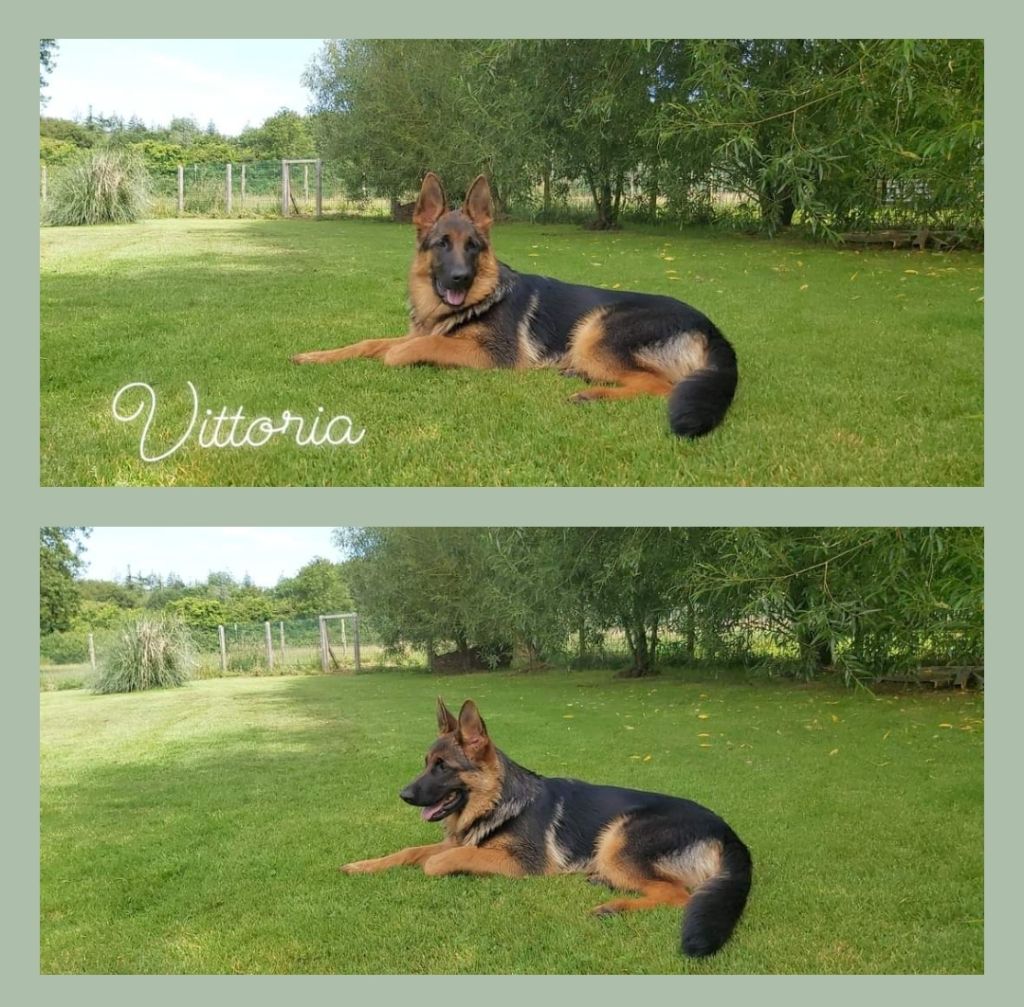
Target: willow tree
x,y
835,130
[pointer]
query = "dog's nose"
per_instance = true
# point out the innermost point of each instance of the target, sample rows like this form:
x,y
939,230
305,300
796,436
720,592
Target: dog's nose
x,y
459,277
407,795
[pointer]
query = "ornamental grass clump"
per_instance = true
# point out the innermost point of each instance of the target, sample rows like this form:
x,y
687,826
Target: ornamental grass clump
x,y
148,653
99,187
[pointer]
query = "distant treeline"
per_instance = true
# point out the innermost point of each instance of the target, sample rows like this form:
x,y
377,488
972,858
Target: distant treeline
x,y
830,134
856,602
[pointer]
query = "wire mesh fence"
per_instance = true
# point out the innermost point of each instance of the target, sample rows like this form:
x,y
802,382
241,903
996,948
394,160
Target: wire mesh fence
x,y
275,647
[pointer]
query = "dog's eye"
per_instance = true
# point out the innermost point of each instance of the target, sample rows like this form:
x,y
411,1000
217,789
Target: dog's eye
x,y
472,245
440,765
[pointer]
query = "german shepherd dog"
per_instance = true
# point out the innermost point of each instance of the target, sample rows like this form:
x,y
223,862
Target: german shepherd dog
x,y
500,818
470,310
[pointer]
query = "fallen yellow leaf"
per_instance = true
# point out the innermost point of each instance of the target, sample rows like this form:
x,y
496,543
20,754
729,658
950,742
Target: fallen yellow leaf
x,y
834,751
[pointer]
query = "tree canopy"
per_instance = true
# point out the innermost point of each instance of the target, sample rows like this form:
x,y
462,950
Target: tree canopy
x,y
60,561
830,134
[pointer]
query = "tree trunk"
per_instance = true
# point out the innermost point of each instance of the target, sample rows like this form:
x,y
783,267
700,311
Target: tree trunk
x,y
652,193
643,645
691,631
777,209
786,211
581,650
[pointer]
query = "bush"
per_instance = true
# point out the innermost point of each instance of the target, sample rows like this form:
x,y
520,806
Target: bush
x,y
148,653
99,187
71,647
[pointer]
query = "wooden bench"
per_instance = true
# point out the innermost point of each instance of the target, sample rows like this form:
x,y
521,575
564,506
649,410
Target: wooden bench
x,y
960,676
920,239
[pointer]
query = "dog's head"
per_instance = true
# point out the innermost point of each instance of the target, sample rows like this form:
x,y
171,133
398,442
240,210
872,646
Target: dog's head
x,y
453,764
456,242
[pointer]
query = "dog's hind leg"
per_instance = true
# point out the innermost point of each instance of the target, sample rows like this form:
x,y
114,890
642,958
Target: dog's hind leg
x,y
654,893
631,384
617,864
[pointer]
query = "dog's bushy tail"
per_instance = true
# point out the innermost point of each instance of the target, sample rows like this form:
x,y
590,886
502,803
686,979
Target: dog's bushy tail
x,y
700,401
715,908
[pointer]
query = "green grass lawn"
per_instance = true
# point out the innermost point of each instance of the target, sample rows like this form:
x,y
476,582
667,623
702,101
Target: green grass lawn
x,y
857,368
198,830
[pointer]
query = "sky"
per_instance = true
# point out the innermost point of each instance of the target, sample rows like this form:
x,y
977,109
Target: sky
x,y
234,82
265,554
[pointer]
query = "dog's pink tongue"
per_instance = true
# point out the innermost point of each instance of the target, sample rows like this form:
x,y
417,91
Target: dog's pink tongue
x,y
427,812
454,297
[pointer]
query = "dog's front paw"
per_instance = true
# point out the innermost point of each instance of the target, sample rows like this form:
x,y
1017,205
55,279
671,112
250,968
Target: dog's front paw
x,y
359,867
587,395
314,357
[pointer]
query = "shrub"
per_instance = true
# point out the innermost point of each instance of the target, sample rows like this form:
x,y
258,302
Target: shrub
x,y
99,187
71,647
148,653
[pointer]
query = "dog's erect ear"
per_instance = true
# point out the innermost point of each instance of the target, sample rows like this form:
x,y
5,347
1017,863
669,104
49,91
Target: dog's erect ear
x,y
446,722
430,205
479,205
472,730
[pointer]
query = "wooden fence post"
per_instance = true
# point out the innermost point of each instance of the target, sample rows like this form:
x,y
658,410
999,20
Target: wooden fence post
x,y
227,184
355,642
280,630
181,188
270,645
43,183
319,189
92,653
223,651
284,188
323,646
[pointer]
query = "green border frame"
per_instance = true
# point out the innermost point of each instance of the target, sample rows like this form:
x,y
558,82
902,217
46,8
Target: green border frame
x,y
29,506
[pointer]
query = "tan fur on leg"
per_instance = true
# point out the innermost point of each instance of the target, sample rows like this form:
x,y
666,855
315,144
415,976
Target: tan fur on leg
x,y
366,348
411,856
474,860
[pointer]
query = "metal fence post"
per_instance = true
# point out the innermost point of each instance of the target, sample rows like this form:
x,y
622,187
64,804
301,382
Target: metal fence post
x,y
355,642
223,650
284,188
319,189
241,201
323,646
280,630
181,188
270,645
227,185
